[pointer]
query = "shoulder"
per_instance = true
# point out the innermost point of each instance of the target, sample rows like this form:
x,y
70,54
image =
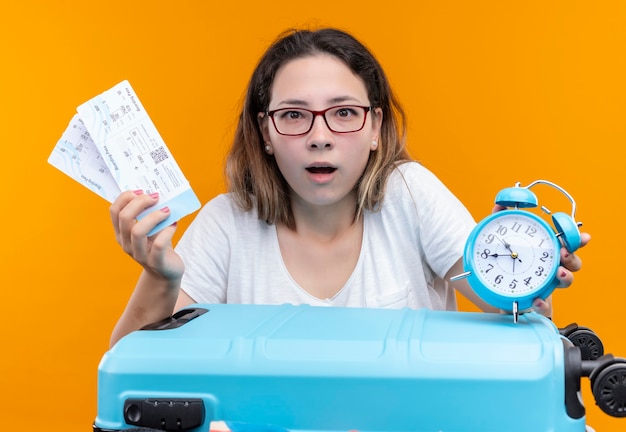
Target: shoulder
x,y
414,180
414,189
412,171
225,206
222,215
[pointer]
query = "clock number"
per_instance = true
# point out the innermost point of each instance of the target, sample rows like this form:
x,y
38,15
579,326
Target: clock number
x,y
513,284
527,280
544,256
485,254
490,268
501,230
531,231
490,239
498,279
516,227
539,271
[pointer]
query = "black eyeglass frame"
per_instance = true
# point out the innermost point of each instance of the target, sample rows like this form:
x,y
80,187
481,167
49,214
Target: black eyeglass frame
x,y
322,113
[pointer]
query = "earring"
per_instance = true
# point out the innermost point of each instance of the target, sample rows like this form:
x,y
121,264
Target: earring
x,y
267,148
374,145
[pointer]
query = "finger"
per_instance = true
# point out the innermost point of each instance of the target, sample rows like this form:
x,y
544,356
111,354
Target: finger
x,y
141,243
570,261
564,276
585,238
161,244
127,217
543,307
163,239
116,207
497,208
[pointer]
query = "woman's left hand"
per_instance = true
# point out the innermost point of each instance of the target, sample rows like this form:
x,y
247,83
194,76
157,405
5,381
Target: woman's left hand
x,y
570,263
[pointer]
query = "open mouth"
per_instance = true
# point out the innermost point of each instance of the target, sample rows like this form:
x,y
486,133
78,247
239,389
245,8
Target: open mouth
x,y
321,170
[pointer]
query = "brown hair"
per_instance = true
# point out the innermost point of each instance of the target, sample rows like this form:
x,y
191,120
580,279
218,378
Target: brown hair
x,y
253,175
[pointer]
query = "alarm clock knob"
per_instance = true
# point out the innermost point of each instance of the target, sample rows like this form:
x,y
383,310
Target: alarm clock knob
x,y
518,197
567,230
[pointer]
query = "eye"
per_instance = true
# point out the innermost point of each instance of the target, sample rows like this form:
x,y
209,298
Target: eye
x,y
345,112
291,115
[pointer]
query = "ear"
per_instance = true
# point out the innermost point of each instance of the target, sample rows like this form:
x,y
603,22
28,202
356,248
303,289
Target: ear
x,y
263,121
377,122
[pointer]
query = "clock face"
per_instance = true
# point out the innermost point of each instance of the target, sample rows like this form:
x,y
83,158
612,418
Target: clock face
x,y
514,254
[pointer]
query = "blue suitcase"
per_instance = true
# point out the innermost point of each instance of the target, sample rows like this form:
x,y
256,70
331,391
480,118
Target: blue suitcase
x,y
306,368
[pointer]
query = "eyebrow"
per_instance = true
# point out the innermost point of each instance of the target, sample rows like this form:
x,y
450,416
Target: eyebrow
x,y
334,101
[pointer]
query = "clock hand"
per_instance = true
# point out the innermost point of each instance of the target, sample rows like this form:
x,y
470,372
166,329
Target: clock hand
x,y
513,254
505,243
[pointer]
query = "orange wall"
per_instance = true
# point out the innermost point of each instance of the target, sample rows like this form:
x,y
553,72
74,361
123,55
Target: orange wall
x,y
497,92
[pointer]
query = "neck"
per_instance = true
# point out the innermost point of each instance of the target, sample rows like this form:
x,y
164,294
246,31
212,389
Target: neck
x,y
326,221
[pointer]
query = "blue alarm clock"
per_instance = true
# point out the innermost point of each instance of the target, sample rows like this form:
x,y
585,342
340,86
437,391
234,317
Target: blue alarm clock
x,y
512,256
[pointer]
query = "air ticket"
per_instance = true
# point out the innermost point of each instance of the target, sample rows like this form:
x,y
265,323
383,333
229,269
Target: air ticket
x,y
112,145
77,156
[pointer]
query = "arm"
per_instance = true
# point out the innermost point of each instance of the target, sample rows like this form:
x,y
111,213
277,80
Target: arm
x,y
464,287
152,300
156,294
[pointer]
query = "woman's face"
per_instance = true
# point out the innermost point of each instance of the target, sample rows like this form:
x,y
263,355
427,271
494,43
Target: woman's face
x,y
321,166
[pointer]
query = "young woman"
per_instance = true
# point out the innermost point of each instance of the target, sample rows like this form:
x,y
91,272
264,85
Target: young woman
x,y
325,206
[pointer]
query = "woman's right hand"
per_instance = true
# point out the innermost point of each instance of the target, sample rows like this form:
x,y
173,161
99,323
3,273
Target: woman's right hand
x,y
154,253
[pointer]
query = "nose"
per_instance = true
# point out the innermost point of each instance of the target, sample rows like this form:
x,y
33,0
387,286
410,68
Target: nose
x,y
320,136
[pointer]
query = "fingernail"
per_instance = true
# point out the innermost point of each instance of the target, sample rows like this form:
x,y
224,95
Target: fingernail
x,y
165,209
138,192
563,274
154,195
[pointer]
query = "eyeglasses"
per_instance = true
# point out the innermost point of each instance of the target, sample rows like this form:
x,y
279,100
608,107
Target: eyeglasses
x,y
299,121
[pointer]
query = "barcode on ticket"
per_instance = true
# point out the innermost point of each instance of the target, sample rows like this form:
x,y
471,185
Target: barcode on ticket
x,y
159,155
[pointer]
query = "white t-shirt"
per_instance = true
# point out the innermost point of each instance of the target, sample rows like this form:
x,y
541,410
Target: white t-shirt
x,y
408,245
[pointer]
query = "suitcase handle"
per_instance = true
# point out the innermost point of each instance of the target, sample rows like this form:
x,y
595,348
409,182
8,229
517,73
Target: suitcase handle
x,y
179,319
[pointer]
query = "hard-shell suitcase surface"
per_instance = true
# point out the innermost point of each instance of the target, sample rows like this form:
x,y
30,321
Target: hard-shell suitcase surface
x,y
337,369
